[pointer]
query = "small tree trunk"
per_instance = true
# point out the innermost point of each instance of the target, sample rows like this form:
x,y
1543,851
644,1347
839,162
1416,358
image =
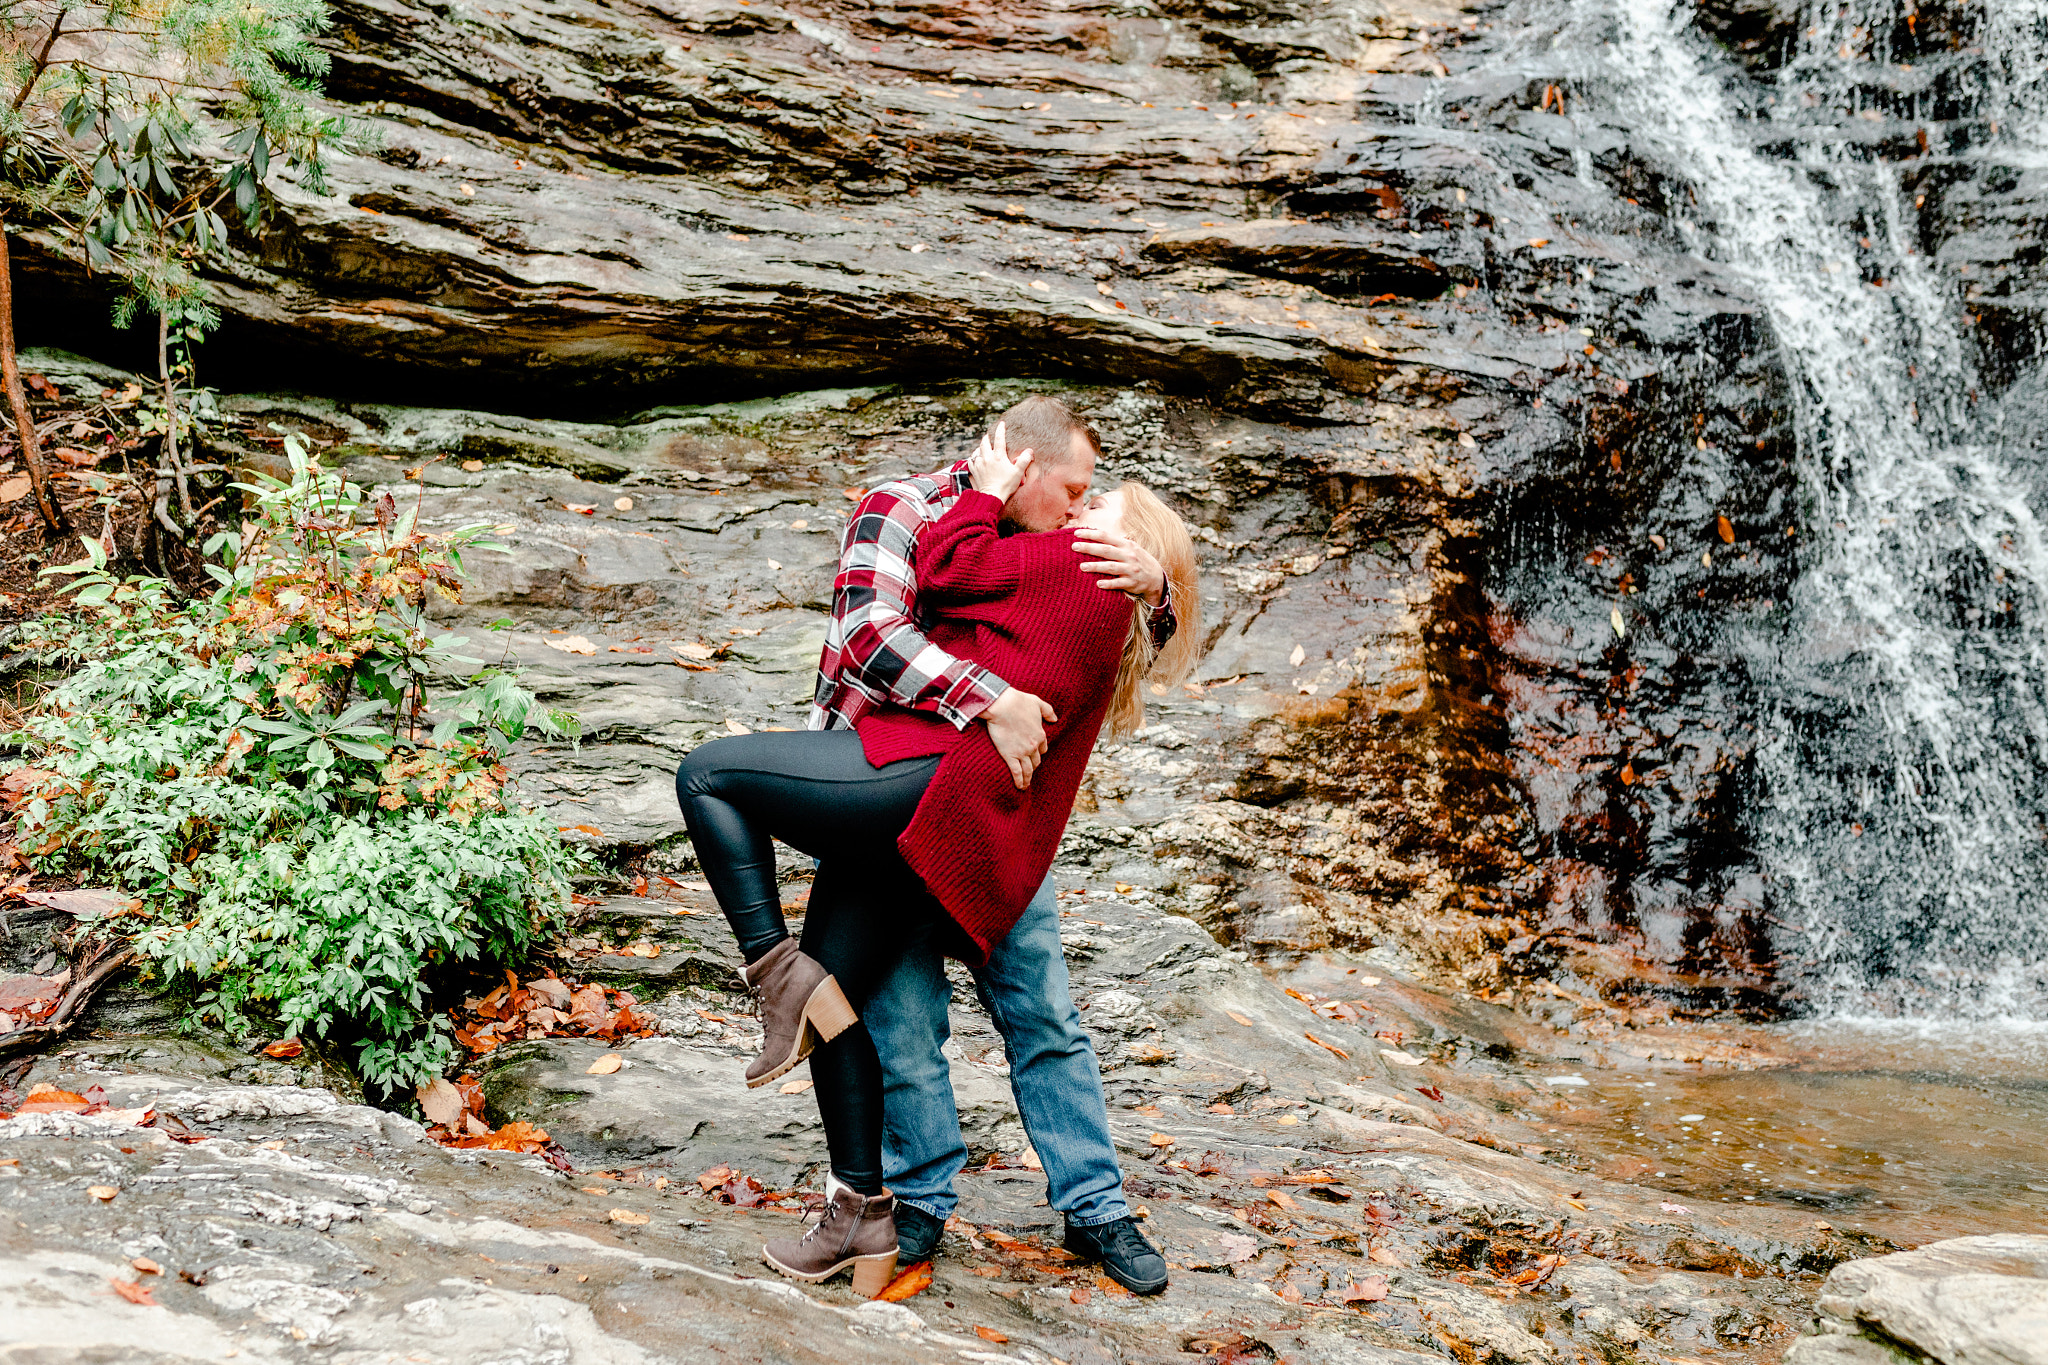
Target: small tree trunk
x,y
17,397
173,457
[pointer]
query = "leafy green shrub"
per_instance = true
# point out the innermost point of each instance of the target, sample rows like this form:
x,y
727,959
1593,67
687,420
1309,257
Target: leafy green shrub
x,y
300,780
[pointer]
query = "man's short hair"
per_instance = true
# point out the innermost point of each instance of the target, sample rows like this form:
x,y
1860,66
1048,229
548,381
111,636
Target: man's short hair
x,y
1046,427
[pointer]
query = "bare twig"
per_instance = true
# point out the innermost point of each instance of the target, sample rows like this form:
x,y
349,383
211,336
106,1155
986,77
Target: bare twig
x,y
42,60
170,381
17,398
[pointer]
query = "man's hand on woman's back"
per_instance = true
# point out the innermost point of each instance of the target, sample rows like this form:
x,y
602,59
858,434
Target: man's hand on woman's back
x,y
1016,726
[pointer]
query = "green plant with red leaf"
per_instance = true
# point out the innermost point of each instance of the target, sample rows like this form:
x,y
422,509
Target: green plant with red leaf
x,y
300,779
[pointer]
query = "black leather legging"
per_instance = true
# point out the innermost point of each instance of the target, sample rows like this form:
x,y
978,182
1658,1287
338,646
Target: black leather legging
x,y
815,791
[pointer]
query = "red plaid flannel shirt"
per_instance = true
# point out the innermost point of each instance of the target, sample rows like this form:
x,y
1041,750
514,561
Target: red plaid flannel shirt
x,y
875,654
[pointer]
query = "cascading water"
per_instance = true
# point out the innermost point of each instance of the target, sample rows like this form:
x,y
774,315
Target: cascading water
x,y
1901,809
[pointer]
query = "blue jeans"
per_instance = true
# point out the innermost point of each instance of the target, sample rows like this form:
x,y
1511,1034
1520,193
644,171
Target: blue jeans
x,y
1053,1074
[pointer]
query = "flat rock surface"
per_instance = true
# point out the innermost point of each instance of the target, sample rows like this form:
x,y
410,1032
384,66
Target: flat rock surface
x,y
1280,1163
1966,1301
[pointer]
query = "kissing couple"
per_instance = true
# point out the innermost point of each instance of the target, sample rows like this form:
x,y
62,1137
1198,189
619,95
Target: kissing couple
x,y
987,620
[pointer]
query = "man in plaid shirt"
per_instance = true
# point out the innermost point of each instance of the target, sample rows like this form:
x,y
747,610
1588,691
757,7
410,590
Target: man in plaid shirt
x,y
876,655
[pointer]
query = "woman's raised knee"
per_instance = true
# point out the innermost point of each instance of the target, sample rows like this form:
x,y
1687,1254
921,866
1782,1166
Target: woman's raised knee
x,y
697,774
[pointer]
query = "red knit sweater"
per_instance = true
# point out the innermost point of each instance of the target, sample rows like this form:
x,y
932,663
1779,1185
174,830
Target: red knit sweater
x,y
1022,608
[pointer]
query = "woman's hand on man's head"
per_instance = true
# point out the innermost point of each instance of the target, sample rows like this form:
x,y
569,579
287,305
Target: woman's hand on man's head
x,y
991,470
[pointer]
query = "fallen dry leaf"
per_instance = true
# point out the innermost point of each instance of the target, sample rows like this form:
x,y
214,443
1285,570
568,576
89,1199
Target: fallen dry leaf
x,y
1162,1140
285,1049
85,901
622,504
1081,1293
103,1192
135,1292
605,1065
517,1136
1726,529
1280,1200
441,1102
29,995
627,1216
572,644
472,466
1294,659
991,1334
1371,1289
795,1087
1287,1120
693,649
14,489
733,727
1239,1018
1327,1047
911,1282
1537,1272
581,509
1399,1058
50,1100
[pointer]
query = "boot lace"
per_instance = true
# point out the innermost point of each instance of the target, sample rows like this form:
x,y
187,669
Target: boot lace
x,y
1122,1239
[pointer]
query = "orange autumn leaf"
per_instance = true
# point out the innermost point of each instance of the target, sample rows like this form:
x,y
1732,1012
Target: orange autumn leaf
x,y
1327,1047
518,1136
1726,528
134,1292
285,1049
911,1282
991,1334
54,1102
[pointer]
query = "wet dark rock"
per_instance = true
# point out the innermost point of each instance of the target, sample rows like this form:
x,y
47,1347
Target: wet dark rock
x,y
1428,384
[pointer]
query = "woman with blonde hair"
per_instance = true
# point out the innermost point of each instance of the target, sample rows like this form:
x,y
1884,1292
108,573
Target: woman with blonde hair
x,y
920,831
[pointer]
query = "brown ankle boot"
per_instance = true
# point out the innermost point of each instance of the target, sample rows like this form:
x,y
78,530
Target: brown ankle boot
x,y
801,1006
856,1230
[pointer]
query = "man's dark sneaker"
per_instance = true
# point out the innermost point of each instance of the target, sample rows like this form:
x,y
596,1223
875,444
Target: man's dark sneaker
x,y
1130,1260
917,1234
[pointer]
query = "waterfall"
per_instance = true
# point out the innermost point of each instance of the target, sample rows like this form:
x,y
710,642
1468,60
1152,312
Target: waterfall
x,y
1901,806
